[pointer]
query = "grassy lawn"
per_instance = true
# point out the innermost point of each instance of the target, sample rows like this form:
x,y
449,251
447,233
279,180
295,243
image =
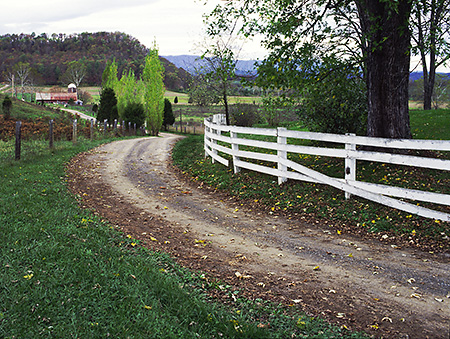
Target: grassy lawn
x,y
25,110
68,273
433,124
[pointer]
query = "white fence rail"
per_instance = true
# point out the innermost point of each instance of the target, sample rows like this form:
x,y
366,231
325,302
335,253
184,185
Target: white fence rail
x,y
287,169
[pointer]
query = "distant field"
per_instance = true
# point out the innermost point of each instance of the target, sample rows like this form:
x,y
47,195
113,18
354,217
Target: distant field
x,y
434,124
194,115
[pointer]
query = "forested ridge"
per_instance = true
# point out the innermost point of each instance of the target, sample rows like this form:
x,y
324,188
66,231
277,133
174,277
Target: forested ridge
x,y
50,55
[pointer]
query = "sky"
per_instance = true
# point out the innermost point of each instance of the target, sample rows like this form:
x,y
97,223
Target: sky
x,y
176,25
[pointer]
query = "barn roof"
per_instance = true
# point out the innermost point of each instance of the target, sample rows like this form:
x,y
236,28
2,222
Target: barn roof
x,y
56,96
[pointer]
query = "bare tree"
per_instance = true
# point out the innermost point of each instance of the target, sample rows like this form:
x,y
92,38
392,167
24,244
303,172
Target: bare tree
x,y
21,75
218,68
431,36
75,73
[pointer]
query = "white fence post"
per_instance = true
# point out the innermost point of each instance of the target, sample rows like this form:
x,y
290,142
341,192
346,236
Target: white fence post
x,y
281,153
235,148
206,139
74,132
214,141
350,165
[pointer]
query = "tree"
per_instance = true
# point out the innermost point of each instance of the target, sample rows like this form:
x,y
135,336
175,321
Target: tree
x,y
22,72
202,93
153,90
169,118
126,91
387,60
336,104
219,68
75,73
441,92
134,113
84,96
6,106
296,29
109,76
431,33
108,106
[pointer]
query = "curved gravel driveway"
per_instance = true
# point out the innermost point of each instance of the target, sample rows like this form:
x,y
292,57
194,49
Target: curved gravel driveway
x,y
362,284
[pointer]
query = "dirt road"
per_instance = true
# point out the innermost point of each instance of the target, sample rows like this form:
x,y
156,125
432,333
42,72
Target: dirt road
x,y
81,114
361,284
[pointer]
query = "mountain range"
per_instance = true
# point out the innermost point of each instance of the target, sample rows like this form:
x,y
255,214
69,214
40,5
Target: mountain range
x,y
193,64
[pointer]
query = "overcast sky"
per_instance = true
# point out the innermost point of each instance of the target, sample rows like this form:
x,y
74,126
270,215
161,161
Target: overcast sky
x,y
175,24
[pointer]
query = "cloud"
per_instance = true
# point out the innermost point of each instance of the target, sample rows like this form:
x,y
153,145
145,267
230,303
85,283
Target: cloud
x,y
176,25
27,11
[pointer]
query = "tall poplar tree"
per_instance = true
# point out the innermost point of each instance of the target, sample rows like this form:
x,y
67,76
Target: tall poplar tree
x,y
153,91
126,92
109,76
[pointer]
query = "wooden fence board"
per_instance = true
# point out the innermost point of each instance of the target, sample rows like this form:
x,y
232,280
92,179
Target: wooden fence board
x,y
287,169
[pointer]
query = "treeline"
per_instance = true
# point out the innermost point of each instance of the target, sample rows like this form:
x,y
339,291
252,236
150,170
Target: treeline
x,y
50,55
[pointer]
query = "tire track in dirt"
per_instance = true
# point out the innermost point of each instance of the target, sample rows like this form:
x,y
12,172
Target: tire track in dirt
x,y
364,284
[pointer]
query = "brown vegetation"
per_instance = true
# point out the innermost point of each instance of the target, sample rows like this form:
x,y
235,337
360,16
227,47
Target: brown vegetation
x,y
39,129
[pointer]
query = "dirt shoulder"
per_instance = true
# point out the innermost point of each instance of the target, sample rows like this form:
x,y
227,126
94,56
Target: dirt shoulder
x,y
362,284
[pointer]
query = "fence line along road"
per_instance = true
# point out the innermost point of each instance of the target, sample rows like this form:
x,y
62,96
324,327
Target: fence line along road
x,y
221,139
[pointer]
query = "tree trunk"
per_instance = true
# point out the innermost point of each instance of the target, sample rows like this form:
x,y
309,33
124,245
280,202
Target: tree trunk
x,y
428,86
428,89
387,59
225,103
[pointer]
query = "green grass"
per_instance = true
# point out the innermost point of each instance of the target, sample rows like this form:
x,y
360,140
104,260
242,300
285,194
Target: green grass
x,y
433,124
25,110
321,202
65,272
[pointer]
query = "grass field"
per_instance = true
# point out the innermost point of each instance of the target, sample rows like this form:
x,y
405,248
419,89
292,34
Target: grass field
x,y
433,124
25,110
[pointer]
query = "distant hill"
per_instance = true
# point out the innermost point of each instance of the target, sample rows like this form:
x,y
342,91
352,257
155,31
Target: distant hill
x,y
49,55
193,63
417,75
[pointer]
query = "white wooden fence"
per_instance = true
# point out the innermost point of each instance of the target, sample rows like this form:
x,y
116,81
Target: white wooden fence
x,y
287,169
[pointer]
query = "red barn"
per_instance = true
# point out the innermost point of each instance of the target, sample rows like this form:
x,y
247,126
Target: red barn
x,y
61,98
